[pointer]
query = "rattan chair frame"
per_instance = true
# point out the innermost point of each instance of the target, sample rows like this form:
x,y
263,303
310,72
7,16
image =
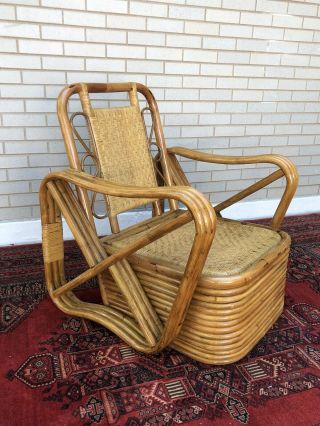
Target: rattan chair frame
x,y
149,305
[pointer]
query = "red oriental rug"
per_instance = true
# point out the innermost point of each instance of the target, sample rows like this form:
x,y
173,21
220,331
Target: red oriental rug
x,y
59,370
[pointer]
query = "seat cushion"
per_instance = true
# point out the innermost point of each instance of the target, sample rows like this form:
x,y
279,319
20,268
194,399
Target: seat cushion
x,y
236,246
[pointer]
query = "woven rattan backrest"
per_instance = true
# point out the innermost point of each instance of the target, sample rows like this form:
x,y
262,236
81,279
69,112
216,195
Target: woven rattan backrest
x,y
122,148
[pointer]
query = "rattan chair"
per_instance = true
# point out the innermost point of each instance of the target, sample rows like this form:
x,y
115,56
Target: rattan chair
x,y
207,286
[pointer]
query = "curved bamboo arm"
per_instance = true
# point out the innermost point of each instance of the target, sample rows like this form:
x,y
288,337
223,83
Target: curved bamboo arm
x,y
286,166
205,224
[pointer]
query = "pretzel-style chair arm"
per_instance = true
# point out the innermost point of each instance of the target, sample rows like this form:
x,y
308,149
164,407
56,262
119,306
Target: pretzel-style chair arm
x,y
286,169
57,197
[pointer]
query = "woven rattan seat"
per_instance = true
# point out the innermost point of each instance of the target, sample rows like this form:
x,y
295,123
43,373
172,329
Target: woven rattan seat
x,y
187,277
235,248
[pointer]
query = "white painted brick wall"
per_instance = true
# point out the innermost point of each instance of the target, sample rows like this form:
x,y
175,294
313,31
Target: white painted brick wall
x,y
231,76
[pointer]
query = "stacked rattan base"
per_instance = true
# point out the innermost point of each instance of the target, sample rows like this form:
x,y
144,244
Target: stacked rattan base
x,y
227,315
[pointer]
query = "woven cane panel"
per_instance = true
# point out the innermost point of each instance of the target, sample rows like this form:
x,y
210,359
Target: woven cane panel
x,y
123,152
235,247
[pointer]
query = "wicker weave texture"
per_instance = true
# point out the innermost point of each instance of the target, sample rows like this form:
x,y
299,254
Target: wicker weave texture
x,y
236,246
123,152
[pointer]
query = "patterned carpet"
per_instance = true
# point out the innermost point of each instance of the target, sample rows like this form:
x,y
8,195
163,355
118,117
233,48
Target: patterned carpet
x,y
58,370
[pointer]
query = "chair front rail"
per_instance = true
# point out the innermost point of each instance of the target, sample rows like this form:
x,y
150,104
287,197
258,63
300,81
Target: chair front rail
x,y
287,169
56,188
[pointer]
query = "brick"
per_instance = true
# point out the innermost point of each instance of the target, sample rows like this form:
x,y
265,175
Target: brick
x,y
164,53
201,28
61,4
233,57
186,12
199,55
259,130
22,91
23,2
146,38
39,14
110,6
256,18
249,71
23,119
40,47
13,187
209,3
10,76
7,12
84,49
295,60
273,6
46,77
232,107
181,68
247,95
183,41
19,29
235,30
215,94
11,133
62,32
30,199
199,82
214,119
126,22
41,106
219,43
303,9
43,133
279,72
148,9
26,147
220,15
63,63
164,81
216,69
105,65
151,66
181,94
298,35
265,58
192,107
252,45
11,105
246,119
171,25
232,83
262,83
106,36
268,33
114,51
311,23
84,19
28,174
8,45
197,131
20,61
287,21
229,130
283,46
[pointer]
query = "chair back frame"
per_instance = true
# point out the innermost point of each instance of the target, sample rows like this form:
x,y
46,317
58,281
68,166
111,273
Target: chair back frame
x,y
68,133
